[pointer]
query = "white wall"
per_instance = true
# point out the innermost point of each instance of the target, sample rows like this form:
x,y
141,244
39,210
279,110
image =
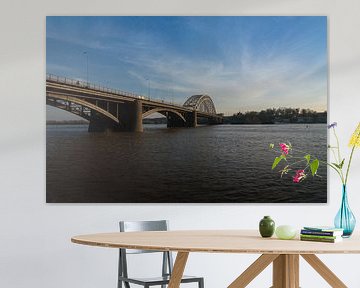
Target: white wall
x,y
35,248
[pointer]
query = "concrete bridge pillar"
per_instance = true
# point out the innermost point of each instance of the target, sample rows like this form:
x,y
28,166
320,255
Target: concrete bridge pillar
x,y
191,119
174,120
99,123
129,115
135,122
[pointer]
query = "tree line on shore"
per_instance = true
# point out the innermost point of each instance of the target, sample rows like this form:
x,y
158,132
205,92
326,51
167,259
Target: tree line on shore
x,y
277,115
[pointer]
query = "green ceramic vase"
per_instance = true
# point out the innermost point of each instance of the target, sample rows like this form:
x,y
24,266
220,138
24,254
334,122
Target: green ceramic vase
x,y
266,227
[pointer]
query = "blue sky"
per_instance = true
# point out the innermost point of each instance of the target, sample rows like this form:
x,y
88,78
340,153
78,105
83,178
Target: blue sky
x,y
243,63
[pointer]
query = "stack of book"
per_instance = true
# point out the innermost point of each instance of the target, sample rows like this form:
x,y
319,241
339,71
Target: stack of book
x,y
321,234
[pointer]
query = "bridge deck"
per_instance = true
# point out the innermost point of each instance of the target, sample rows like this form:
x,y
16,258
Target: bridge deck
x,y
61,87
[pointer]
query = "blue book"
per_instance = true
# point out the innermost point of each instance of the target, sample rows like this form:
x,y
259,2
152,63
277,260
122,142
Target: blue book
x,y
322,231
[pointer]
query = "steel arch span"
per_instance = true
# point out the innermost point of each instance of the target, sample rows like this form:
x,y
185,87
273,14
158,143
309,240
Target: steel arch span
x,y
201,103
163,111
77,106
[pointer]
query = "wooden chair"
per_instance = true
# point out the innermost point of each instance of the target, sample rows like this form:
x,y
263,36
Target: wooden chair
x,y
167,263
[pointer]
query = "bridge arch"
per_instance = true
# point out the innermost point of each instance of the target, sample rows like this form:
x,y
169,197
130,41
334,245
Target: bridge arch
x,y
201,103
52,100
162,110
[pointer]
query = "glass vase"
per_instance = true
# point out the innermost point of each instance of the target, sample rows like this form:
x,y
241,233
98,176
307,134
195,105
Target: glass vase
x,y
345,219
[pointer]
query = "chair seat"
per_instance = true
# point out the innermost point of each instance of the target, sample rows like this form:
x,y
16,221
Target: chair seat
x,y
167,262
158,280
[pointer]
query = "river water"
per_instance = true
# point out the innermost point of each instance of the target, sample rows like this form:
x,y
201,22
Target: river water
x,y
208,164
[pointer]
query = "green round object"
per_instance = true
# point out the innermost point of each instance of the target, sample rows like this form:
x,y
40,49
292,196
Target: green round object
x,y
266,227
285,232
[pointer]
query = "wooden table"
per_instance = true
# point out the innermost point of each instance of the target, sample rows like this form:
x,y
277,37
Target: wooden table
x,y
284,254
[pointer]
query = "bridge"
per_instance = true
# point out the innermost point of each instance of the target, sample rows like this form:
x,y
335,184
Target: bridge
x,y
115,110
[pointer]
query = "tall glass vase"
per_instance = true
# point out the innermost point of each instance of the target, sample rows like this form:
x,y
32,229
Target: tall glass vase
x,y
345,219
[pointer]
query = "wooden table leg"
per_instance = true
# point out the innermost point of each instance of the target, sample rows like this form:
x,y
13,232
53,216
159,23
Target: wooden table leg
x,y
178,269
253,270
293,261
324,271
286,271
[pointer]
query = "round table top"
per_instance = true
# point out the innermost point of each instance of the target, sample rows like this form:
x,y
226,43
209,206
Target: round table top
x,y
217,241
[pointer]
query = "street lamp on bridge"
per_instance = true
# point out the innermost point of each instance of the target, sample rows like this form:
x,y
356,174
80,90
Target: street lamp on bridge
x,y
87,67
148,79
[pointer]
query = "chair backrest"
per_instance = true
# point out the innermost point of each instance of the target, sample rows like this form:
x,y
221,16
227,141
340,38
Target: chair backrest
x,y
133,226
137,226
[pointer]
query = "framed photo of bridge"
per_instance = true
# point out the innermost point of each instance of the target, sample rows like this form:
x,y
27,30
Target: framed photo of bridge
x,y
183,109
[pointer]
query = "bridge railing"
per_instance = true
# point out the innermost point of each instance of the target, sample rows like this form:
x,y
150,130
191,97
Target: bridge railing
x,y
89,85
84,84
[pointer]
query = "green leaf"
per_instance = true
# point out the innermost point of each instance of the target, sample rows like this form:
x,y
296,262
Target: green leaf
x,y
339,166
342,163
271,146
276,161
314,166
307,157
336,165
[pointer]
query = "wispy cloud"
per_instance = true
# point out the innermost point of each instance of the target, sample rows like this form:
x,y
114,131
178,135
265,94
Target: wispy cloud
x,y
248,74
252,81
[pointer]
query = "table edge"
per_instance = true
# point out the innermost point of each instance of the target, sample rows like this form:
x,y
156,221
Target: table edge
x,y
206,250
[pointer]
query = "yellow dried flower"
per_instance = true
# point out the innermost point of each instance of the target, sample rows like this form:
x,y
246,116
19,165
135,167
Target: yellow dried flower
x,y
355,138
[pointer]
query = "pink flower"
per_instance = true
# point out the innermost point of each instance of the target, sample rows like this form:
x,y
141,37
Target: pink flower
x,y
300,175
284,148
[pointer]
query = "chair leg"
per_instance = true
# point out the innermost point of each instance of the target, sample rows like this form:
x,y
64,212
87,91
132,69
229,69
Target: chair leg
x,y
201,283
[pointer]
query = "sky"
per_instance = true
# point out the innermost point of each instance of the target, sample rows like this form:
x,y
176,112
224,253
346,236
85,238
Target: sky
x,y
244,63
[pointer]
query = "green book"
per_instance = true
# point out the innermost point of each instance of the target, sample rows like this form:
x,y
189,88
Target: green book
x,y
325,240
319,236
